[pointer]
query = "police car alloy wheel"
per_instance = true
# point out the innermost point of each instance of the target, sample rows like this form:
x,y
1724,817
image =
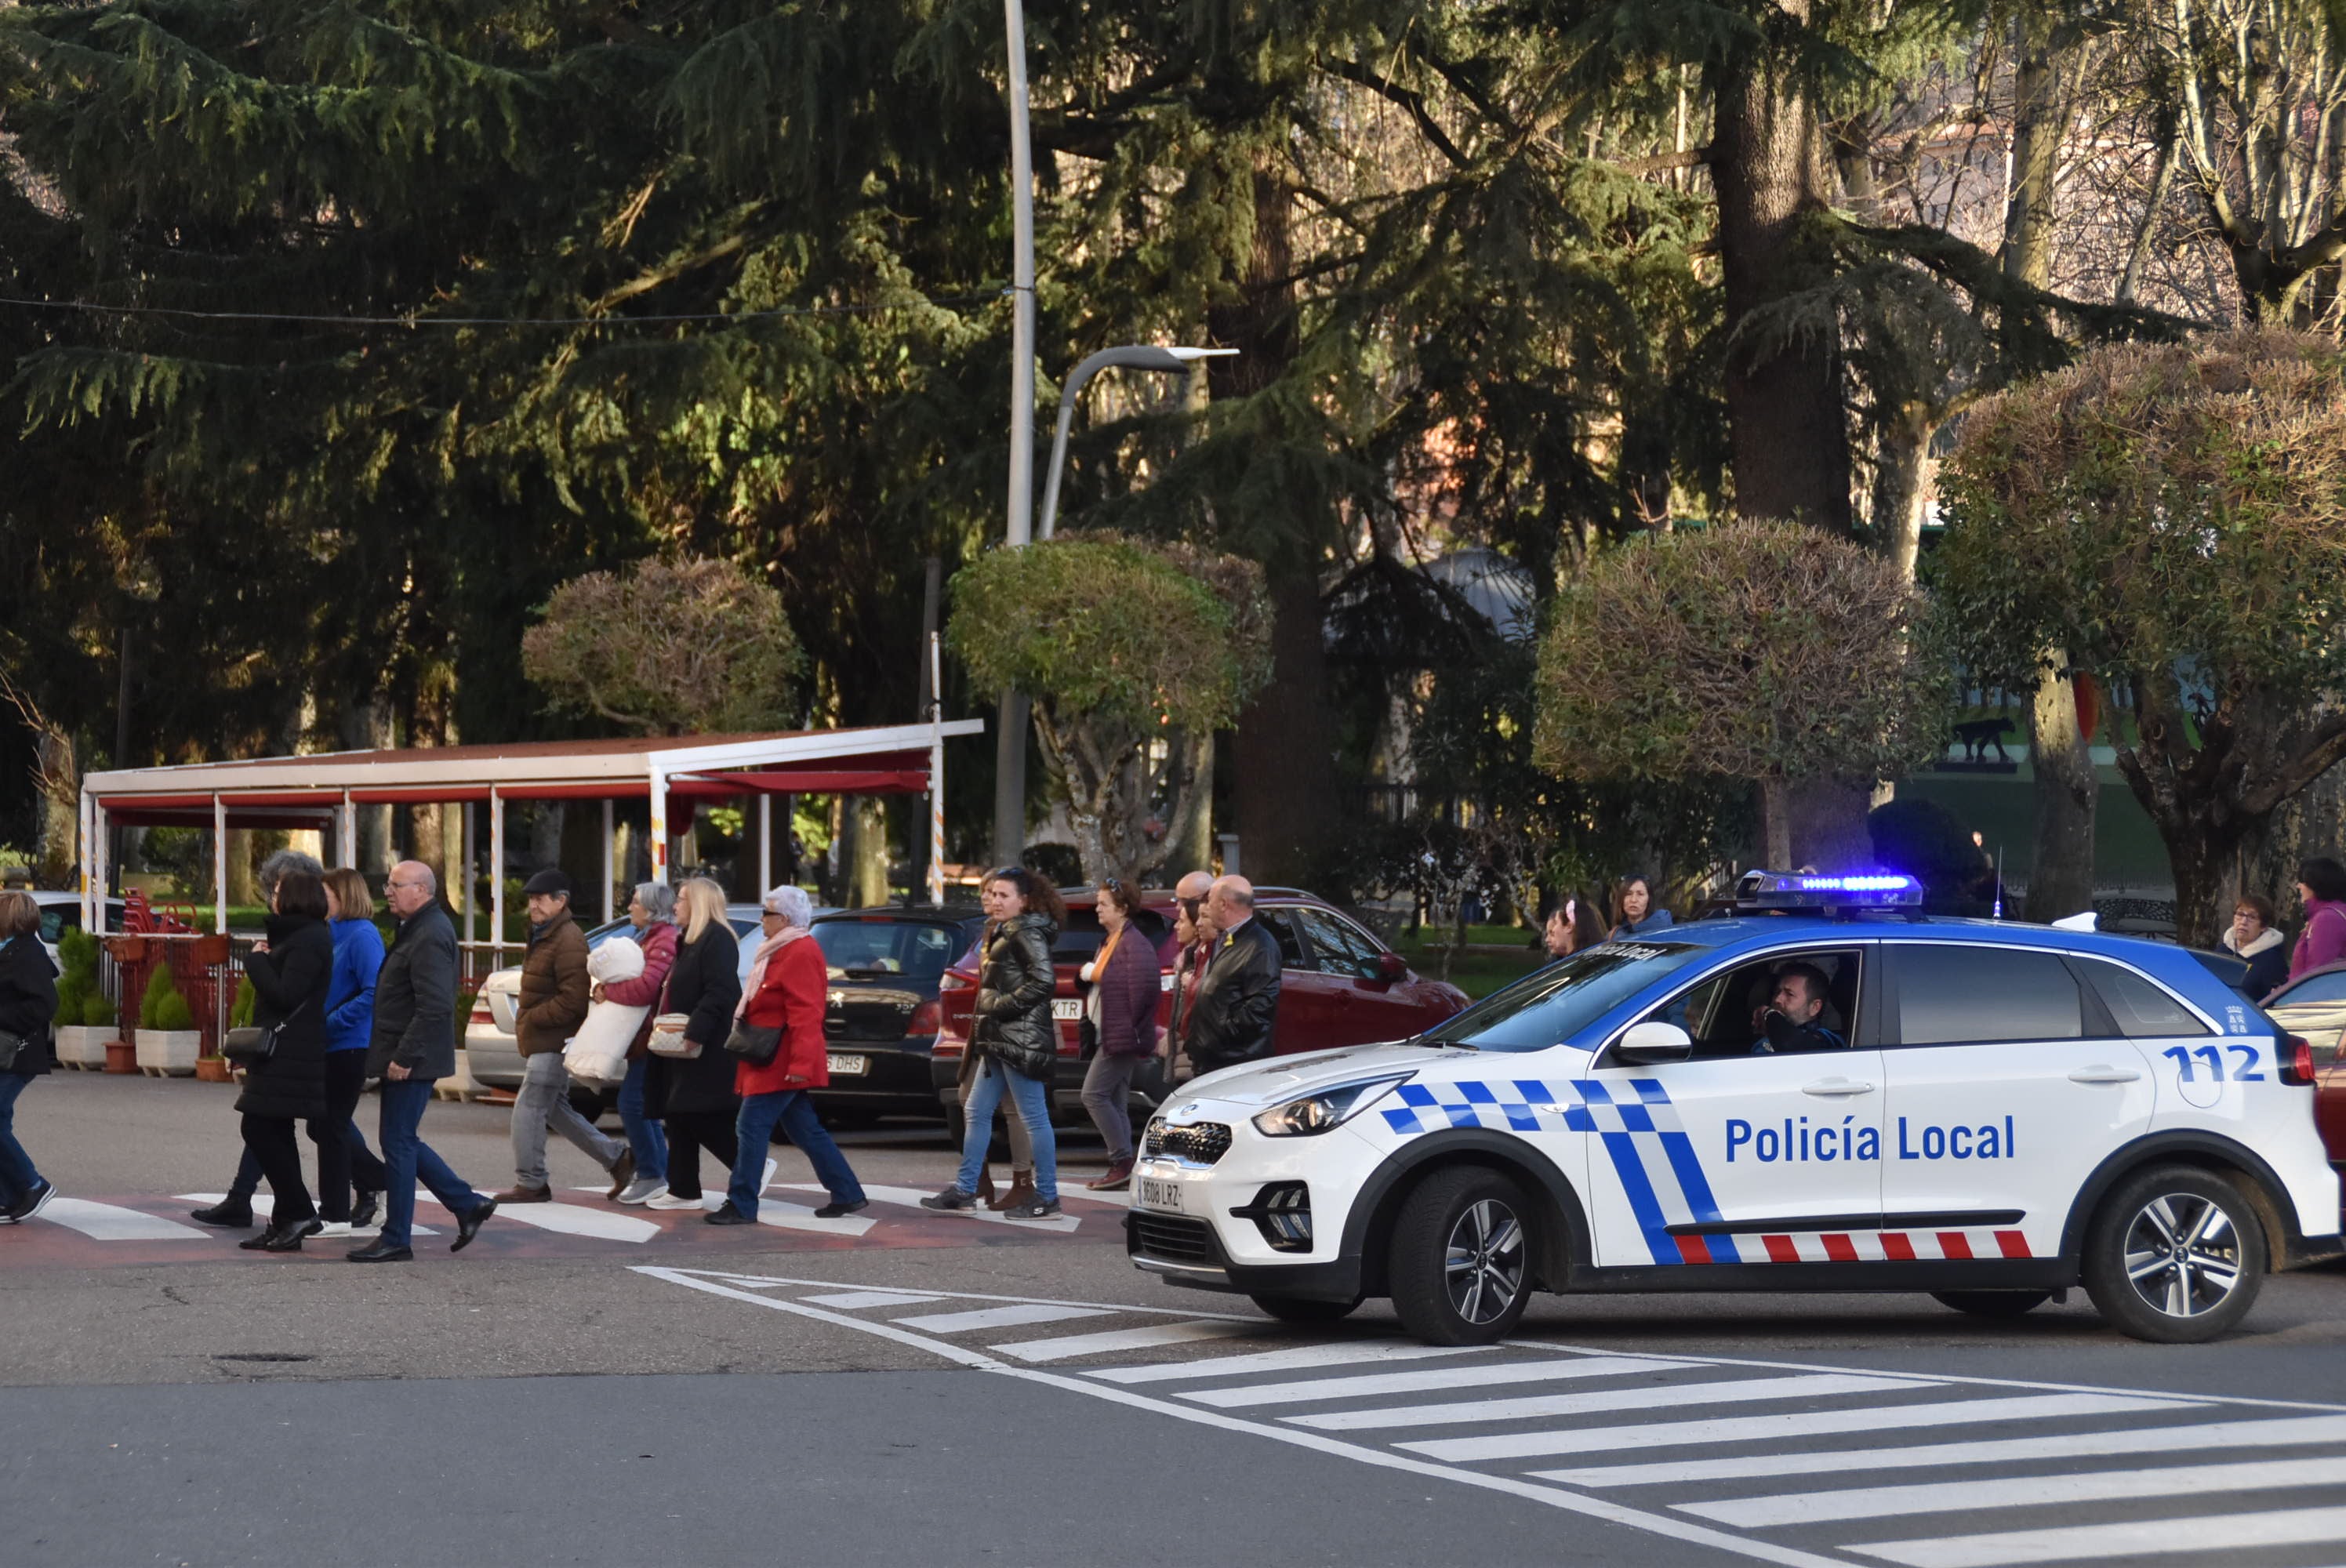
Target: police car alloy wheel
x,y
1461,1265
1995,1304
2175,1255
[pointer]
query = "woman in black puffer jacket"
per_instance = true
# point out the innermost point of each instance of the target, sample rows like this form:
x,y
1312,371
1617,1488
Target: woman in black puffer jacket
x,y
290,977
693,1096
28,1004
1014,1036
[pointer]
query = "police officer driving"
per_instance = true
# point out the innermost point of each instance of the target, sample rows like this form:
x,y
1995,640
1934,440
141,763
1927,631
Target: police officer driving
x,y
1791,1020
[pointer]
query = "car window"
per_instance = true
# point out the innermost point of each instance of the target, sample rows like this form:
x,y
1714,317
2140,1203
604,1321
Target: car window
x,y
1950,995
1719,1014
1280,924
58,919
1340,949
2142,1009
867,949
2313,989
1551,1005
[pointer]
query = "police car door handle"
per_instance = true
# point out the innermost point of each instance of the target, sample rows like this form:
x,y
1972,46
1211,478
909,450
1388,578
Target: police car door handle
x,y
1834,1089
2102,1073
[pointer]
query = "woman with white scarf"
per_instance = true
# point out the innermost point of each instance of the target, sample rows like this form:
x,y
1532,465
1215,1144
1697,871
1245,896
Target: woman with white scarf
x,y
787,989
2252,935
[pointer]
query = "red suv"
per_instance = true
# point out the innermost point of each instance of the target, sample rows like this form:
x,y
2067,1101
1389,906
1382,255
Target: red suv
x,y
1339,985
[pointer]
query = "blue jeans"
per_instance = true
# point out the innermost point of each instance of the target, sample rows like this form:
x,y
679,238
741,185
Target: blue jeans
x,y
753,1130
1034,1109
645,1135
406,1157
18,1175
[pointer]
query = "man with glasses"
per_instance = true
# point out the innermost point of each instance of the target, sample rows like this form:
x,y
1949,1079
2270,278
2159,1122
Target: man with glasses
x,y
413,1044
1238,1000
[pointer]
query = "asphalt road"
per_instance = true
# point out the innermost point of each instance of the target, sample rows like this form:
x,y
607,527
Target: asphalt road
x,y
939,1388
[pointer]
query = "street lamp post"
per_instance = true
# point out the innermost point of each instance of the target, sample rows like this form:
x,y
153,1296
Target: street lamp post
x,y
1010,735
1134,357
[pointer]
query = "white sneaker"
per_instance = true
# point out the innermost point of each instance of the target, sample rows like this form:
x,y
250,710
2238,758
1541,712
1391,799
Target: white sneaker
x,y
335,1227
667,1199
642,1189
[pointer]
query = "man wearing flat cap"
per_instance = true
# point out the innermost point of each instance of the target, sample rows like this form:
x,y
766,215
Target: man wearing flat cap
x,y
554,987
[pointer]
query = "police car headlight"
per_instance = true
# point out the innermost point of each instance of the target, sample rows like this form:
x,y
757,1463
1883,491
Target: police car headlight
x,y
1324,1108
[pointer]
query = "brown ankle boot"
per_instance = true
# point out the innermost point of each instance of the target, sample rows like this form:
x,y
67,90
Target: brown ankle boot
x,y
1022,1188
985,1184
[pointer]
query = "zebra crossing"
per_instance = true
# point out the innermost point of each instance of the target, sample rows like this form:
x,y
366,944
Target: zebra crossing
x,y
1787,1464
143,1229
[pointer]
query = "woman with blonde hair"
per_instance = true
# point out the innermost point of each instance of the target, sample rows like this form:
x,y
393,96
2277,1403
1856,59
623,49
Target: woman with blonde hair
x,y
344,1161
693,1096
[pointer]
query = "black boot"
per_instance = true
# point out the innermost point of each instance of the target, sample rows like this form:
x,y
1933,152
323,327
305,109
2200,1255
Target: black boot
x,y
231,1213
363,1208
284,1237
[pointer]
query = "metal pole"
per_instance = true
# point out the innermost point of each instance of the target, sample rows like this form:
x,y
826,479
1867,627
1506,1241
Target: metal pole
x,y
346,833
607,862
659,826
219,864
462,893
1132,356
936,774
496,879
1010,745
765,843
89,920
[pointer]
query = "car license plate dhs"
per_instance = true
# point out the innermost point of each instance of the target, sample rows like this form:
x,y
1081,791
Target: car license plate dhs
x,y
1066,1009
1160,1195
849,1066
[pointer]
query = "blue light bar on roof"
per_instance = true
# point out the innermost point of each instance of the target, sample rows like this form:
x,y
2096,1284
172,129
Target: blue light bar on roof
x,y
1802,889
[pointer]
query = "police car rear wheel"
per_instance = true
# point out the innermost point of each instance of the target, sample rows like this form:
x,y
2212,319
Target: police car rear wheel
x,y
1992,1303
1461,1263
2175,1255
1298,1310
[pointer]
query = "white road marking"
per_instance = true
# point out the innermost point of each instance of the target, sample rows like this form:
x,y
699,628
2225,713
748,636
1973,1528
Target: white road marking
x,y
997,1318
2018,1492
264,1209
1551,1496
2211,1437
1110,1340
1302,1358
112,1222
910,1197
570,1219
1820,1384
1481,1375
2226,1535
1784,1428
850,1299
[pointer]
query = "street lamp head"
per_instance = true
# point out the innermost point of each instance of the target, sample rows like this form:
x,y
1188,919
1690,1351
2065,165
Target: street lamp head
x,y
1185,355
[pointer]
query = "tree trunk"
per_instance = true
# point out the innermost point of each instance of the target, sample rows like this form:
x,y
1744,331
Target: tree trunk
x,y
1898,487
2037,124
1788,440
1776,822
2061,865
1285,747
868,868
56,847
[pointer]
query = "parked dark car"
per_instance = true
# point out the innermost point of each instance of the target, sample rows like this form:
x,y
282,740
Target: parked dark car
x,y
1339,985
2313,1008
886,967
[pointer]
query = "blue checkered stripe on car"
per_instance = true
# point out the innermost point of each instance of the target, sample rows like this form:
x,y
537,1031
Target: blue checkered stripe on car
x,y
1661,1176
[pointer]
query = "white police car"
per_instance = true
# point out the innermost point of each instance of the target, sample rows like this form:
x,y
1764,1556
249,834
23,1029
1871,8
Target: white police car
x,y
1990,1112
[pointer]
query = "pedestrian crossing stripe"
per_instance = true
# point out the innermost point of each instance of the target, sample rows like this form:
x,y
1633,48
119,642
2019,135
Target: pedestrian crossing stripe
x,y
1369,1399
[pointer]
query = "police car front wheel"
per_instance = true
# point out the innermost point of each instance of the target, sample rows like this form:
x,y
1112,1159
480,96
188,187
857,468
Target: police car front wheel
x,y
2175,1255
1460,1267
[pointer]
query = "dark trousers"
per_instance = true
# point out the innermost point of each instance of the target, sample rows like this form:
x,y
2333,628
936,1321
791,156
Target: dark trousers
x,y
343,1158
688,1133
407,1157
270,1141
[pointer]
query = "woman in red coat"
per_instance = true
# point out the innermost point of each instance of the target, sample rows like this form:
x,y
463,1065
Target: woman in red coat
x,y
787,989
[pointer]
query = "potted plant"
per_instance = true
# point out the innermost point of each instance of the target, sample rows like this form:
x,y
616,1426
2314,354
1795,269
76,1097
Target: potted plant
x,y
86,1014
216,1068
169,1041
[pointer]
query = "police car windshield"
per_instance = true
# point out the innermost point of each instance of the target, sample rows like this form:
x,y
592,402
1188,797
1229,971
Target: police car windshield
x,y
1553,1005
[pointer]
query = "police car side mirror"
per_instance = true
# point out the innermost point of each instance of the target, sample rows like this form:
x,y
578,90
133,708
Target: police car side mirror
x,y
1650,1041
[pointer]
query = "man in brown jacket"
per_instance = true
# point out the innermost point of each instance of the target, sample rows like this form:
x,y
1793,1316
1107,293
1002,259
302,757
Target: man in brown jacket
x,y
553,1004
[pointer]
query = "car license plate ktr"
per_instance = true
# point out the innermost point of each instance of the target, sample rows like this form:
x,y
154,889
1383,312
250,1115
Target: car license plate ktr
x,y
1066,1009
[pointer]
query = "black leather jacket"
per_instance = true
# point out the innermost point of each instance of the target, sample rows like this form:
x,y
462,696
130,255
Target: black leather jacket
x,y
1012,1020
1238,1000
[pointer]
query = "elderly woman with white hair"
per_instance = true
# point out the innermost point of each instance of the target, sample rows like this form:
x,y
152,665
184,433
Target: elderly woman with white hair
x,y
787,991
651,911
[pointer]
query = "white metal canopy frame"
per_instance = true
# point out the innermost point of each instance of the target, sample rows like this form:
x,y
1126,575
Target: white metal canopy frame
x,y
326,790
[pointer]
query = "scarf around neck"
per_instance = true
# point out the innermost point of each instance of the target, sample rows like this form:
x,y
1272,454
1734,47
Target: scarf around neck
x,y
766,950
